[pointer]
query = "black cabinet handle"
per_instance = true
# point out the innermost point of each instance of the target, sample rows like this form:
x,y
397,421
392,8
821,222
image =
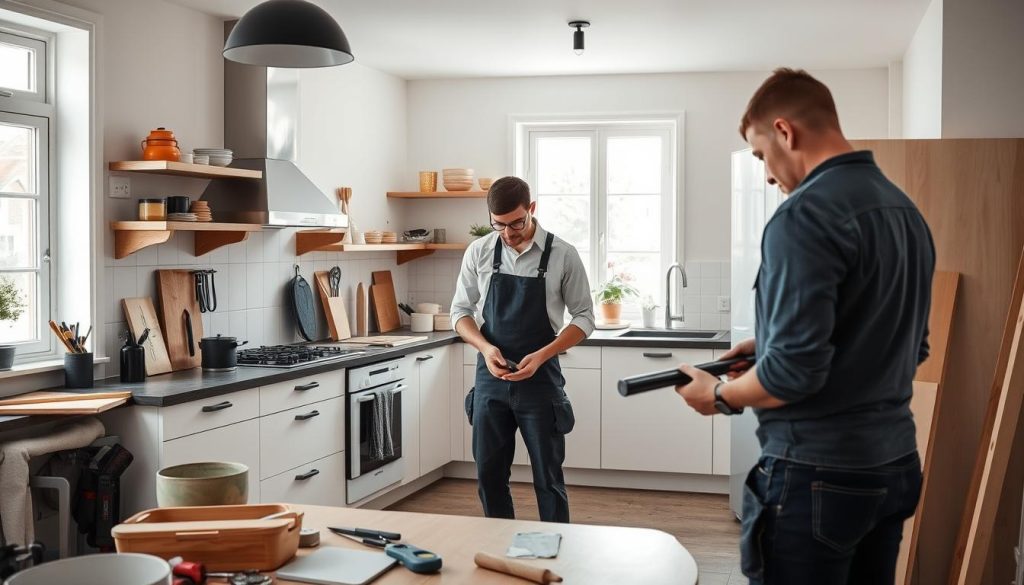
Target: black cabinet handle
x,y
659,355
307,475
424,358
308,415
309,386
216,407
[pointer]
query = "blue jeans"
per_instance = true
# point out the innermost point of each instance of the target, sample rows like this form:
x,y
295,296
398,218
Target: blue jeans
x,y
825,525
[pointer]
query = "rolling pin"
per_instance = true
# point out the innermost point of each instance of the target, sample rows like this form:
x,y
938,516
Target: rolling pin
x,y
516,568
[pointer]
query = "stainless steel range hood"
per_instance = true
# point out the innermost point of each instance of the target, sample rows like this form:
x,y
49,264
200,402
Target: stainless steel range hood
x,y
261,121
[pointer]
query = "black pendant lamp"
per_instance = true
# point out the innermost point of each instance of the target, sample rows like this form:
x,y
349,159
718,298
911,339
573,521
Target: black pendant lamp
x,y
288,33
577,37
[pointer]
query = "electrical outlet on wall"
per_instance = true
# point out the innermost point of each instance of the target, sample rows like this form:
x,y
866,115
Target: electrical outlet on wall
x,y
723,304
120,187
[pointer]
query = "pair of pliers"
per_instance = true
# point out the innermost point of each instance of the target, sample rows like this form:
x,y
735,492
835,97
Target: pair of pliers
x,y
367,536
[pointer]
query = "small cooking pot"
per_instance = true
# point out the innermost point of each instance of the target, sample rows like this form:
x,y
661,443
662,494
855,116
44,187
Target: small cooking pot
x,y
160,145
219,353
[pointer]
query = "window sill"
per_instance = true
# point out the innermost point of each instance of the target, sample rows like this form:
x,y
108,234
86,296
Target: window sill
x,y
39,367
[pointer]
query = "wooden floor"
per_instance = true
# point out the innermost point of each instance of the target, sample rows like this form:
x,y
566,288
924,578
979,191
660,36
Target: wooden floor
x,y
703,523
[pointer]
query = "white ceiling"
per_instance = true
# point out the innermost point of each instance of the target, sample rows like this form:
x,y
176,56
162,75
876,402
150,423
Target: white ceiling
x,y
418,39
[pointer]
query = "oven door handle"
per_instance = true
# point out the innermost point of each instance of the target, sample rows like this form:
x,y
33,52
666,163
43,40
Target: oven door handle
x,y
371,396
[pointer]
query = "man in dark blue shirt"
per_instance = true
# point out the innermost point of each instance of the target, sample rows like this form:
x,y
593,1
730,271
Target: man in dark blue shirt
x,y
842,301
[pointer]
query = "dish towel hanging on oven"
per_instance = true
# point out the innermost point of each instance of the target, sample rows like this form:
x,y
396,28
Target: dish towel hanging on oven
x,y
381,442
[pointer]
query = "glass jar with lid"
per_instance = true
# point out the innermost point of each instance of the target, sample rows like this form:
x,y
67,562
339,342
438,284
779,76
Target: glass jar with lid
x,y
152,209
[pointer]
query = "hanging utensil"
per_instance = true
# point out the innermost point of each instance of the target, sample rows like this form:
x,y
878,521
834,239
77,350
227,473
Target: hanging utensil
x,y
206,290
334,279
189,336
303,307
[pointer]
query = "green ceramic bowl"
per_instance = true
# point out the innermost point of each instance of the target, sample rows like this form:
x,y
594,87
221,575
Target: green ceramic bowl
x,y
210,483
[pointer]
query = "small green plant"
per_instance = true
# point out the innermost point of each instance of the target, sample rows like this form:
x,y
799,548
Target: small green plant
x,y
615,291
11,303
480,230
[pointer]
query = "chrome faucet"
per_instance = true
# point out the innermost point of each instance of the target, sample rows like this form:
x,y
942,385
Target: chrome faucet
x,y
669,317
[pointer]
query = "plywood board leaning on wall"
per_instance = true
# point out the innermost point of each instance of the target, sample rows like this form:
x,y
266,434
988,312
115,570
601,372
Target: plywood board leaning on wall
x,y
971,192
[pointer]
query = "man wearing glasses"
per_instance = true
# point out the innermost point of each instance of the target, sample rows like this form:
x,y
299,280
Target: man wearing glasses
x,y
527,279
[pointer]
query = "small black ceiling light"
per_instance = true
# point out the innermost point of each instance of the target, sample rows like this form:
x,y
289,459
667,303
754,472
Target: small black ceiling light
x,y
288,33
577,37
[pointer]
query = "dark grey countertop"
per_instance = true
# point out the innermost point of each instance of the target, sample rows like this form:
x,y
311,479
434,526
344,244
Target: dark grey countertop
x,y
188,385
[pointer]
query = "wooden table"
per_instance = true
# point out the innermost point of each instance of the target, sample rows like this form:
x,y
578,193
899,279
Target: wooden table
x,y
589,554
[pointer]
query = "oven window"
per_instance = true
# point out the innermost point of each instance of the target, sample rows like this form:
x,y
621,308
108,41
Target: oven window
x,y
367,462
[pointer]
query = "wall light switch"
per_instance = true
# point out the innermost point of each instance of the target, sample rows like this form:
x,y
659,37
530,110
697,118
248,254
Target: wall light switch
x,y
723,304
120,187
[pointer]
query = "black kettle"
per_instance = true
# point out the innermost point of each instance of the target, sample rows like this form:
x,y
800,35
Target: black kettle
x,y
219,353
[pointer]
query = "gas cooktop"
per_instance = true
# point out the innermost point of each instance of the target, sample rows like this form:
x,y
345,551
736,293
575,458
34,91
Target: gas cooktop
x,y
290,356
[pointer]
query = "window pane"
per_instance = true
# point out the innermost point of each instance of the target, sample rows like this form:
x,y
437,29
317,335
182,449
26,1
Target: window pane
x,y
641,270
566,216
563,166
634,164
17,233
634,223
25,328
16,67
17,159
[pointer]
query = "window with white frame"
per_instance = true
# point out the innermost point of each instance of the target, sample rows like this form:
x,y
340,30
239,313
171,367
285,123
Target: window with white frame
x,y
608,189
25,218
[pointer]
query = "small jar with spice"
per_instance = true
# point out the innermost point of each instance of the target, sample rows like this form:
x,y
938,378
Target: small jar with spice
x,y
152,209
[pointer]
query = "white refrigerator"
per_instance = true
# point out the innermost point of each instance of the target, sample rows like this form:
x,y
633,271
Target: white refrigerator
x,y
753,203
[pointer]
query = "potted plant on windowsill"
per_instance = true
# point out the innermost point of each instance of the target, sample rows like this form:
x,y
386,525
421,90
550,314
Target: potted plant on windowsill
x,y
11,308
610,296
477,231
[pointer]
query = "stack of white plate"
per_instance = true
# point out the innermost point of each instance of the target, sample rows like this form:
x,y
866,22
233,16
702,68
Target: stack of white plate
x,y
219,157
182,217
458,179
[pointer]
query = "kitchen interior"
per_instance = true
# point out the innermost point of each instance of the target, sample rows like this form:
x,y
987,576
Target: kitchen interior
x,y
214,267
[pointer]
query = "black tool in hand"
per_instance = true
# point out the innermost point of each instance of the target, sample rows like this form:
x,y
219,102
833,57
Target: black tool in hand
x,y
511,365
647,382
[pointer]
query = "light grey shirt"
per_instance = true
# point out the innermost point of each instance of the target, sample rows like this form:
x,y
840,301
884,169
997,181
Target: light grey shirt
x,y
566,285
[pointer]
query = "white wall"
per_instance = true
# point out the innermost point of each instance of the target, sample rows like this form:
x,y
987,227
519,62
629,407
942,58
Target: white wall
x,y
982,72
922,77
464,122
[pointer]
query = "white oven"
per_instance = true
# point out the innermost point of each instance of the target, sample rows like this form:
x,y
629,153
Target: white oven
x,y
370,468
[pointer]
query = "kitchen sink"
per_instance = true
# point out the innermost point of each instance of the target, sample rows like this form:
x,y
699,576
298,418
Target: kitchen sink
x,y
672,334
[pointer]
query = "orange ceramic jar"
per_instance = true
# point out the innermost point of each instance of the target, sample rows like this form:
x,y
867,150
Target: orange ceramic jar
x,y
160,145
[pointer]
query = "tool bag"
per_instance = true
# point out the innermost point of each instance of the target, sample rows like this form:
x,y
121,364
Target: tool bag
x,y
97,506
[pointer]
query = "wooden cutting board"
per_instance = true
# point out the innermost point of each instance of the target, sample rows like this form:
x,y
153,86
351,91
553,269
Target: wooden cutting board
x,y
388,340
177,292
94,406
44,396
140,314
334,307
385,307
383,277
361,311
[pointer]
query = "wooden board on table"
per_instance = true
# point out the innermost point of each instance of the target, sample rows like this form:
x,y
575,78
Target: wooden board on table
x,y
177,291
923,404
94,406
334,307
140,315
44,396
387,340
385,307
1002,419
362,316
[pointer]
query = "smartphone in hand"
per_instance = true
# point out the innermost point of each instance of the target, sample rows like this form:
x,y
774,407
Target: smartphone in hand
x,y
511,365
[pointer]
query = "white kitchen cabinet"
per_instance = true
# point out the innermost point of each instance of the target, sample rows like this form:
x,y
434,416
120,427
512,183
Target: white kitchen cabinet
x,y
435,424
296,436
317,483
209,413
583,444
651,431
301,391
521,456
238,443
410,426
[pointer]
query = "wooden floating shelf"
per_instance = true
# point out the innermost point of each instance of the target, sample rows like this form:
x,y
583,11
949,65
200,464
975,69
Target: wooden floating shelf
x,y
437,195
132,236
330,241
180,169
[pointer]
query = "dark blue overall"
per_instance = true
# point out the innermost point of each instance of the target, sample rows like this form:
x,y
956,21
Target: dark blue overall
x,y
516,322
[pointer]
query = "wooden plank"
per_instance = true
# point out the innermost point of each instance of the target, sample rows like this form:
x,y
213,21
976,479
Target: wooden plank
x,y
43,396
313,240
403,257
180,169
334,307
140,315
448,246
206,242
68,407
385,307
998,433
184,226
361,311
127,243
437,195
177,292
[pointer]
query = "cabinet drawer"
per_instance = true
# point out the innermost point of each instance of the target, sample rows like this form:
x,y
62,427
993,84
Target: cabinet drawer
x,y
301,391
318,483
238,443
581,357
469,354
209,413
299,435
